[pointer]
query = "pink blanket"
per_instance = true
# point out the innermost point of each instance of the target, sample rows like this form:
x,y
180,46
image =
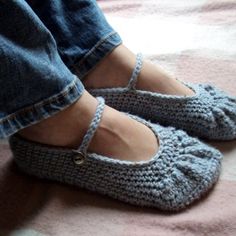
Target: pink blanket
x,y
194,40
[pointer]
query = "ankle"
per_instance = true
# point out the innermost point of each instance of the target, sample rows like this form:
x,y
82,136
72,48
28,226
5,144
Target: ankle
x,y
67,127
113,71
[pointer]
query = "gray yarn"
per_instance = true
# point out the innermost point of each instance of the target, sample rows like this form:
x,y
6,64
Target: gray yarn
x,y
136,71
92,127
180,172
210,113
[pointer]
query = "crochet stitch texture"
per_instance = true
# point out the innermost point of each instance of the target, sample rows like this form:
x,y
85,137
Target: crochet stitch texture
x,y
210,113
180,172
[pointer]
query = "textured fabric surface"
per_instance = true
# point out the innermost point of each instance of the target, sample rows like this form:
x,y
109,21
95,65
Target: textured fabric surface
x,y
194,40
180,172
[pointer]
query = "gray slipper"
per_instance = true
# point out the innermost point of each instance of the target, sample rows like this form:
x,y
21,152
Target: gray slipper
x,y
210,113
180,172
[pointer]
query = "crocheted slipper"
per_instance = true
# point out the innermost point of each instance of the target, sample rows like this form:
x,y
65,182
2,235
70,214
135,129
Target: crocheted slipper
x,y
179,173
210,113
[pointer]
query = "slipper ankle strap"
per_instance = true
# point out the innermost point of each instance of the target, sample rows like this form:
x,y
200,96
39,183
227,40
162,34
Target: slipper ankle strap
x,y
82,150
138,66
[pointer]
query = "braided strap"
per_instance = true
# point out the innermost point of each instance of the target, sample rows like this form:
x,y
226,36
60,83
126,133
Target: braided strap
x,y
136,71
92,127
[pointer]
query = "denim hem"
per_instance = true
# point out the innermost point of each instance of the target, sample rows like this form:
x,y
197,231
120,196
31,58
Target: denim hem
x,y
41,110
102,48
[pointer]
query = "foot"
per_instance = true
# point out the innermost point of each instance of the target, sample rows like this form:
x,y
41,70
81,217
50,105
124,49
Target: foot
x,y
117,136
115,71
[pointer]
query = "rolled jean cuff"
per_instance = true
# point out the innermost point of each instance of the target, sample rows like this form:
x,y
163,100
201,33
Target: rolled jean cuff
x,y
102,48
41,110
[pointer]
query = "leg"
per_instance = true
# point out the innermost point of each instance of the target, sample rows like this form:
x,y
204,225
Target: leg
x,y
87,49
52,106
35,83
81,31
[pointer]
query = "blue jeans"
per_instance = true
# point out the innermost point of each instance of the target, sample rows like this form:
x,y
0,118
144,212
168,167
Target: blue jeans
x,y
42,45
